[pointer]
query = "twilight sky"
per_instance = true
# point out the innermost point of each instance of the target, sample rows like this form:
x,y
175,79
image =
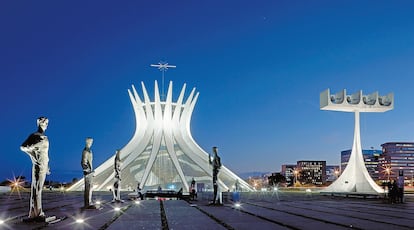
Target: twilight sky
x,y
259,67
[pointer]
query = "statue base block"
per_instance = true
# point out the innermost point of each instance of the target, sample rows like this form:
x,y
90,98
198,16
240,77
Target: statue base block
x,y
91,207
118,201
214,204
40,219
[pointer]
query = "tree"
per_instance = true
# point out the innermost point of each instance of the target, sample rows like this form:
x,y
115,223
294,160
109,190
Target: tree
x,y
276,178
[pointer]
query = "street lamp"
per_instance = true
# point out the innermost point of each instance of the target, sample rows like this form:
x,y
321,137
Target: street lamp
x,y
388,170
336,173
296,176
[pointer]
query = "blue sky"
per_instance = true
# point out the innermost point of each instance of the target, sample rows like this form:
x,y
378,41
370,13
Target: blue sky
x,y
259,67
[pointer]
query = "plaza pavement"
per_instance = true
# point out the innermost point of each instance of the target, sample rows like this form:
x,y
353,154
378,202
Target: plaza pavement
x,y
261,210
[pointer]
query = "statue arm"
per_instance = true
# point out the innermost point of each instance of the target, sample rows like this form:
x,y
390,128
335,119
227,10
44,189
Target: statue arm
x,y
217,163
29,149
31,146
117,170
86,166
33,152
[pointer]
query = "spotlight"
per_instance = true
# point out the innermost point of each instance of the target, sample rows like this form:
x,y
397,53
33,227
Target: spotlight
x,y
137,202
98,202
237,205
308,190
117,209
80,221
1,222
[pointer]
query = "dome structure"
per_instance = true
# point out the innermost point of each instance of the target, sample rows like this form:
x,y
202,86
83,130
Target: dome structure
x,y
162,152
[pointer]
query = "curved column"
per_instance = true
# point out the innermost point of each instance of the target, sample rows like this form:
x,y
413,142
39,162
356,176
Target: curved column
x,y
355,177
162,125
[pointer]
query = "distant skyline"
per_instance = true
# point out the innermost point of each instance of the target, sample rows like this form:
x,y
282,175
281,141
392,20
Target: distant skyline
x,y
259,67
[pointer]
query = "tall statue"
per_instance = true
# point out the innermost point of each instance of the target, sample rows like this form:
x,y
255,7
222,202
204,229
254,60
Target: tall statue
x,y
37,147
88,172
117,183
216,163
236,186
139,191
193,192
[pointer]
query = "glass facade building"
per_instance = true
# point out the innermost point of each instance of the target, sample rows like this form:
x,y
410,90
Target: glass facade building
x,y
332,172
371,159
288,171
397,156
312,172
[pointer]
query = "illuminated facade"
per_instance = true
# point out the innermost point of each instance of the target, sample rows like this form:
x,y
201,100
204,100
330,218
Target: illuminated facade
x,y
371,160
312,172
397,156
332,172
288,171
162,152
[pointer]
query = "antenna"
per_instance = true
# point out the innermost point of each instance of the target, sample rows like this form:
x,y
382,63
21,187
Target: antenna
x,y
163,67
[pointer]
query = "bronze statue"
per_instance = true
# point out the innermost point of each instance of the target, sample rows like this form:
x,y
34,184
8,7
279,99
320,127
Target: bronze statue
x,y
37,147
193,192
117,183
139,191
216,163
88,172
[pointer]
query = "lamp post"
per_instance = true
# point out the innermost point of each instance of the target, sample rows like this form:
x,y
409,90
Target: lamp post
x,y
336,173
388,170
296,176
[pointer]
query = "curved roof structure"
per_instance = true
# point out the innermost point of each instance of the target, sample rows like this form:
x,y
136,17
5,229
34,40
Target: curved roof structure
x,y
162,151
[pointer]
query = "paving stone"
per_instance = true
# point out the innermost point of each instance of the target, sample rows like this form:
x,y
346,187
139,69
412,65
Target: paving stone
x,y
181,215
285,210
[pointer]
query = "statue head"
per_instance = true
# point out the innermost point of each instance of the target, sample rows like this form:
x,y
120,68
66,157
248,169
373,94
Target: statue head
x,y
215,150
42,122
89,141
118,157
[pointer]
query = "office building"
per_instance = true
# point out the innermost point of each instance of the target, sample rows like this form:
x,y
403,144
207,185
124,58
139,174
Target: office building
x,y
311,172
397,156
288,171
371,160
332,172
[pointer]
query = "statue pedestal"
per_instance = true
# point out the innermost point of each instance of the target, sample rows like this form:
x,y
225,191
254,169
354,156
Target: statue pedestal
x,y
42,219
220,197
